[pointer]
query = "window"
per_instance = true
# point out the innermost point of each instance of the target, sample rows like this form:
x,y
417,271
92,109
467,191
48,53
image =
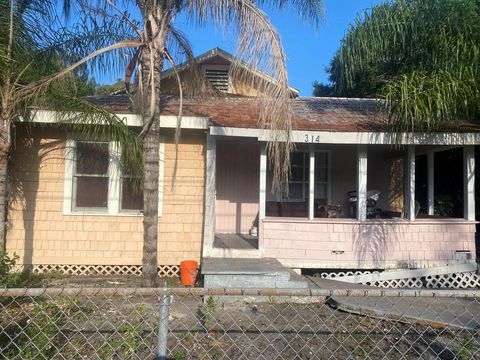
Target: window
x,y
298,186
131,194
94,182
300,173
321,188
91,175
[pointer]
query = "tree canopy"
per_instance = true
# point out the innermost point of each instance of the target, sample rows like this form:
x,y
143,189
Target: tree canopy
x,y
422,57
35,73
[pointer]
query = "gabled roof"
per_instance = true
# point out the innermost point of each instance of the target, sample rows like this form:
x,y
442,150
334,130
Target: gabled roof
x,y
215,56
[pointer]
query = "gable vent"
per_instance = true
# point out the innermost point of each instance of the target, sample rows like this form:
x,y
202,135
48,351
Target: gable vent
x,y
217,78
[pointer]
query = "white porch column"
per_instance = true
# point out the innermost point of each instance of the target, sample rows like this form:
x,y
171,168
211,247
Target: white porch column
x,y
361,182
410,183
210,190
431,182
469,182
263,183
311,185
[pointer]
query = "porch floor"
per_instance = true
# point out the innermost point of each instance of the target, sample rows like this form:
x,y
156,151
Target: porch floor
x,y
235,241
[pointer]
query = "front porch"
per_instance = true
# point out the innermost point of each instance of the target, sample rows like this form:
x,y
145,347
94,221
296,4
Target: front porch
x,y
369,244
329,218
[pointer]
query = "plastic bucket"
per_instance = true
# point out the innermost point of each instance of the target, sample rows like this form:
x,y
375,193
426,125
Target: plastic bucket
x,y
188,272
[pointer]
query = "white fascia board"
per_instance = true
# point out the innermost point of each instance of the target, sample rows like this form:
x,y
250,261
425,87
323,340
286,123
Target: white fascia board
x,y
231,131
384,138
337,137
133,120
188,122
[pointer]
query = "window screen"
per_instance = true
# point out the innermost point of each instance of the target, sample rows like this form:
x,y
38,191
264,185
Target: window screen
x,y
91,175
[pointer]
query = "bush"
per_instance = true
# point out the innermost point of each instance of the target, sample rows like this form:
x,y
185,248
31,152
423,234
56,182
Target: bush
x,y
9,277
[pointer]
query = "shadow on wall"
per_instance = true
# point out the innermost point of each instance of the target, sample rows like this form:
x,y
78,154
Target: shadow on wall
x,y
237,186
373,241
24,172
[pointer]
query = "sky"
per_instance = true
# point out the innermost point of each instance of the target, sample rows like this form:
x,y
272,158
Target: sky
x,y
309,49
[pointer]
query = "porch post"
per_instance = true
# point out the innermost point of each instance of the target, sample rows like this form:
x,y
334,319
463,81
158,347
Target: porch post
x,y
431,182
210,189
410,183
263,183
311,185
361,182
469,182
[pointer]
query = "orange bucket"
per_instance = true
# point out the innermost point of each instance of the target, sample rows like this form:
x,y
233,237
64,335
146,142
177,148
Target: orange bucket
x,y
188,272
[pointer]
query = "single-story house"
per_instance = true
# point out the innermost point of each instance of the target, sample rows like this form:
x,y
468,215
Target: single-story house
x,y
353,200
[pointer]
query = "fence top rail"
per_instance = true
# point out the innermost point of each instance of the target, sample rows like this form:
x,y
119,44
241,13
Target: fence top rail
x,y
122,292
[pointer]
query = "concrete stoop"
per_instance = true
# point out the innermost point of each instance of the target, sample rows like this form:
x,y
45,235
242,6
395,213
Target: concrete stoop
x,y
250,273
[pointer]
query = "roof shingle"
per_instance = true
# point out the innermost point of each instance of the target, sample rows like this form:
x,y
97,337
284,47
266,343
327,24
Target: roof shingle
x,y
325,114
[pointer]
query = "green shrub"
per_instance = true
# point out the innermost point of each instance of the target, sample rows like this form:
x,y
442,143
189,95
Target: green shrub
x,y
9,277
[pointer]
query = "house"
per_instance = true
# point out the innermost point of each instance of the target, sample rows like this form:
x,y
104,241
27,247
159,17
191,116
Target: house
x,y
351,202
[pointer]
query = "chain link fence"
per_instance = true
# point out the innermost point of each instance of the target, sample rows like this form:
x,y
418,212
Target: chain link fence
x,y
92,323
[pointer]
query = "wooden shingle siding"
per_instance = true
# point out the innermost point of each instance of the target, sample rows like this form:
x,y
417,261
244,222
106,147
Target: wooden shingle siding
x,y
40,233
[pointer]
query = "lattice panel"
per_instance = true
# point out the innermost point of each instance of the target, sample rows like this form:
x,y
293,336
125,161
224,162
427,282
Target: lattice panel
x,y
397,283
135,270
465,280
333,275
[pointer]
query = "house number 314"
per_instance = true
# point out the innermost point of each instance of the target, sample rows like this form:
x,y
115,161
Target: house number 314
x,y
312,138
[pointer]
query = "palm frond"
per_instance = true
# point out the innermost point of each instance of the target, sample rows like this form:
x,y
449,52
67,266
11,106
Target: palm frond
x,y
309,10
258,47
426,56
81,116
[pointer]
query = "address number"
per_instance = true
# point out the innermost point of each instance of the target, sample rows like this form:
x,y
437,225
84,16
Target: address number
x,y
312,138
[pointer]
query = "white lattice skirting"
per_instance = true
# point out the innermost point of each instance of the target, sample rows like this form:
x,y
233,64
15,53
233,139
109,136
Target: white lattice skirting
x,y
136,270
465,280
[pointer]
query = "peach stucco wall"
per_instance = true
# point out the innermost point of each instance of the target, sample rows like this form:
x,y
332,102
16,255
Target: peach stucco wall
x,y
40,233
345,243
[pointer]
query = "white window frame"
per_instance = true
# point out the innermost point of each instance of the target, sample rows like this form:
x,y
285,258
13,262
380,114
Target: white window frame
x,y
114,182
329,172
305,181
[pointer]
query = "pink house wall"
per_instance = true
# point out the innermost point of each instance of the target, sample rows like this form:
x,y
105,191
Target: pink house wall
x,y
347,243
237,179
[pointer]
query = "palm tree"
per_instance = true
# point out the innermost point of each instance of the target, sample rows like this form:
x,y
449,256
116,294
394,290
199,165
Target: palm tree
x,y
154,35
31,59
421,57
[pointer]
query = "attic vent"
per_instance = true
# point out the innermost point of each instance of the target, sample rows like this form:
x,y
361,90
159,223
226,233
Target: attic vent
x,y
218,78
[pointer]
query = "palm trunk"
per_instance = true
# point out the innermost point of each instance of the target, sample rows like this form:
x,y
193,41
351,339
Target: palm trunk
x,y
157,16
4,152
150,204
151,160
3,198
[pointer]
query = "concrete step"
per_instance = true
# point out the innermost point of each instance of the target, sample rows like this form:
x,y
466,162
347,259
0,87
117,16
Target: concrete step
x,y
250,273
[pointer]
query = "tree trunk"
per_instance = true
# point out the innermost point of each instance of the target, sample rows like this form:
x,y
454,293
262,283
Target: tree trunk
x,y
4,152
3,198
150,204
151,161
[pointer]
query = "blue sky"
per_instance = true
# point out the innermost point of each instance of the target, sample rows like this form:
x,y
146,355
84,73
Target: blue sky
x,y
308,49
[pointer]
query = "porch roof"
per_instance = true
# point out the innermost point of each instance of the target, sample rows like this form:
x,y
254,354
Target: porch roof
x,y
309,113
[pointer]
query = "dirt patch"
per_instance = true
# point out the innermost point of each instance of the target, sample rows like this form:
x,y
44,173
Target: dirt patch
x,y
203,328
105,281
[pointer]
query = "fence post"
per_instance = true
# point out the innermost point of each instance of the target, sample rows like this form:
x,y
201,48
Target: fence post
x,y
163,325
